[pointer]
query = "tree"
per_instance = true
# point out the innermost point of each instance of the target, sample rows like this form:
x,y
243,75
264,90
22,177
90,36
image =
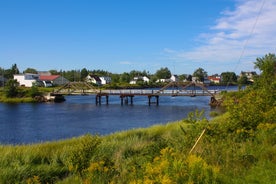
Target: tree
x,y
163,73
189,78
125,77
55,72
228,78
84,73
182,77
243,80
200,73
30,70
267,66
11,88
14,69
10,72
258,103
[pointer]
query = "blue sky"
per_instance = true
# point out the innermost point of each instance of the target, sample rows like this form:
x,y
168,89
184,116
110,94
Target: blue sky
x,y
124,35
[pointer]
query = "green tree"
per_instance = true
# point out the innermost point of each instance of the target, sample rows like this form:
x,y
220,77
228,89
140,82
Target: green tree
x,y
10,72
258,103
11,88
243,80
228,78
115,78
125,77
14,69
55,72
84,73
30,70
200,73
189,78
267,66
163,73
34,91
182,77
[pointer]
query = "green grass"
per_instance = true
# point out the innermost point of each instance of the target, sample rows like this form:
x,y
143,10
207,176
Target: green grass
x,y
156,154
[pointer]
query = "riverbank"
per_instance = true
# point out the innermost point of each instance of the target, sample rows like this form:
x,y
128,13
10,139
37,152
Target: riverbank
x,y
161,153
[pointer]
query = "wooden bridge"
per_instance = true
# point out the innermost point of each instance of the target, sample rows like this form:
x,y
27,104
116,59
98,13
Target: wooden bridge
x,y
191,89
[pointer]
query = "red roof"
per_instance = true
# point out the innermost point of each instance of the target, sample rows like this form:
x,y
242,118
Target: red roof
x,y
48,77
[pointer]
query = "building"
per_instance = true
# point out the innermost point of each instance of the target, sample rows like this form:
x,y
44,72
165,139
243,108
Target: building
x,y
214,79
53,80
105,80
163,80
174,78
93,79
27,79
139,78
250,75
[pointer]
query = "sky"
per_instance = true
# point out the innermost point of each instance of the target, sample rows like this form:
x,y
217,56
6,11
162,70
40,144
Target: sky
x,y
123,35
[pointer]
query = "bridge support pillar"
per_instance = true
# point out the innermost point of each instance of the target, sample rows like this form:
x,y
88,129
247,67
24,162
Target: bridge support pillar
x,y
99,99
156,100
124,99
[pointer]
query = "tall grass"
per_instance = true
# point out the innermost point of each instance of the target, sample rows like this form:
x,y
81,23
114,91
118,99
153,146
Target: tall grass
x,y
159,154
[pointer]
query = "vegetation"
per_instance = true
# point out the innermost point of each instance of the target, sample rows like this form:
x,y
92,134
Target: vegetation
x,y
200,73
13,93
238,146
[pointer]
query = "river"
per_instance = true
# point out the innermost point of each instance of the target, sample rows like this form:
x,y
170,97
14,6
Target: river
x,y
33,123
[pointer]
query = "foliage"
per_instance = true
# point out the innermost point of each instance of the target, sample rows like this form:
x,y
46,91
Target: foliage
x,y
84,73
200,73
243,80
228,78
236,147
257,103
34,91
30,70
163,73
11,88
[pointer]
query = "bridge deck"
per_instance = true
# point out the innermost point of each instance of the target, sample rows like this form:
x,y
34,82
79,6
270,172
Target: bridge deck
x,y
141,92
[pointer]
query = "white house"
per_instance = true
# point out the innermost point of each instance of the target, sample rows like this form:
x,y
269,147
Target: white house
x,y
174,78
27,79
163,80
250,75
105,80
135,79
93,79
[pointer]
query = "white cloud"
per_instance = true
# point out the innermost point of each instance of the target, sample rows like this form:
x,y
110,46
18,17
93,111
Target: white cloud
x,y
238,36
125,63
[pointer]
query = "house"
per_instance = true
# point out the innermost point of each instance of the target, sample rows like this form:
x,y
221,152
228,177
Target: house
x,y
174,78
139,78
163,80
27,79
250,75
105,80
215,79
93,79
53,80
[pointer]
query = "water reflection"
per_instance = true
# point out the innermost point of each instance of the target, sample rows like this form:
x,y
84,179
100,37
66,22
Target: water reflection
x,y
78,115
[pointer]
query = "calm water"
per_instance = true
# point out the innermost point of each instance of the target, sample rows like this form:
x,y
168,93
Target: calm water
x,y
78,115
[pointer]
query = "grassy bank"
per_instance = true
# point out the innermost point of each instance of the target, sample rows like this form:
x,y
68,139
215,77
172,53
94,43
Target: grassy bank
x,y
159,154
24,95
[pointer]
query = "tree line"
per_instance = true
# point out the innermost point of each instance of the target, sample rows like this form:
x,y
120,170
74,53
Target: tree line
x,y
126,77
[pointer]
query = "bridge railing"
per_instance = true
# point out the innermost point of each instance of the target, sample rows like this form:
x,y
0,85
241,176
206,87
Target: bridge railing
x,y
157,92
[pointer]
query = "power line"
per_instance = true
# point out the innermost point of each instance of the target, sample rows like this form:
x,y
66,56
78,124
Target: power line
x,y
250,34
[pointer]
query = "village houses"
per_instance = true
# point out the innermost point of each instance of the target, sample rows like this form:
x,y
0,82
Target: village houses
x,y
141,78
29,79
91,78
